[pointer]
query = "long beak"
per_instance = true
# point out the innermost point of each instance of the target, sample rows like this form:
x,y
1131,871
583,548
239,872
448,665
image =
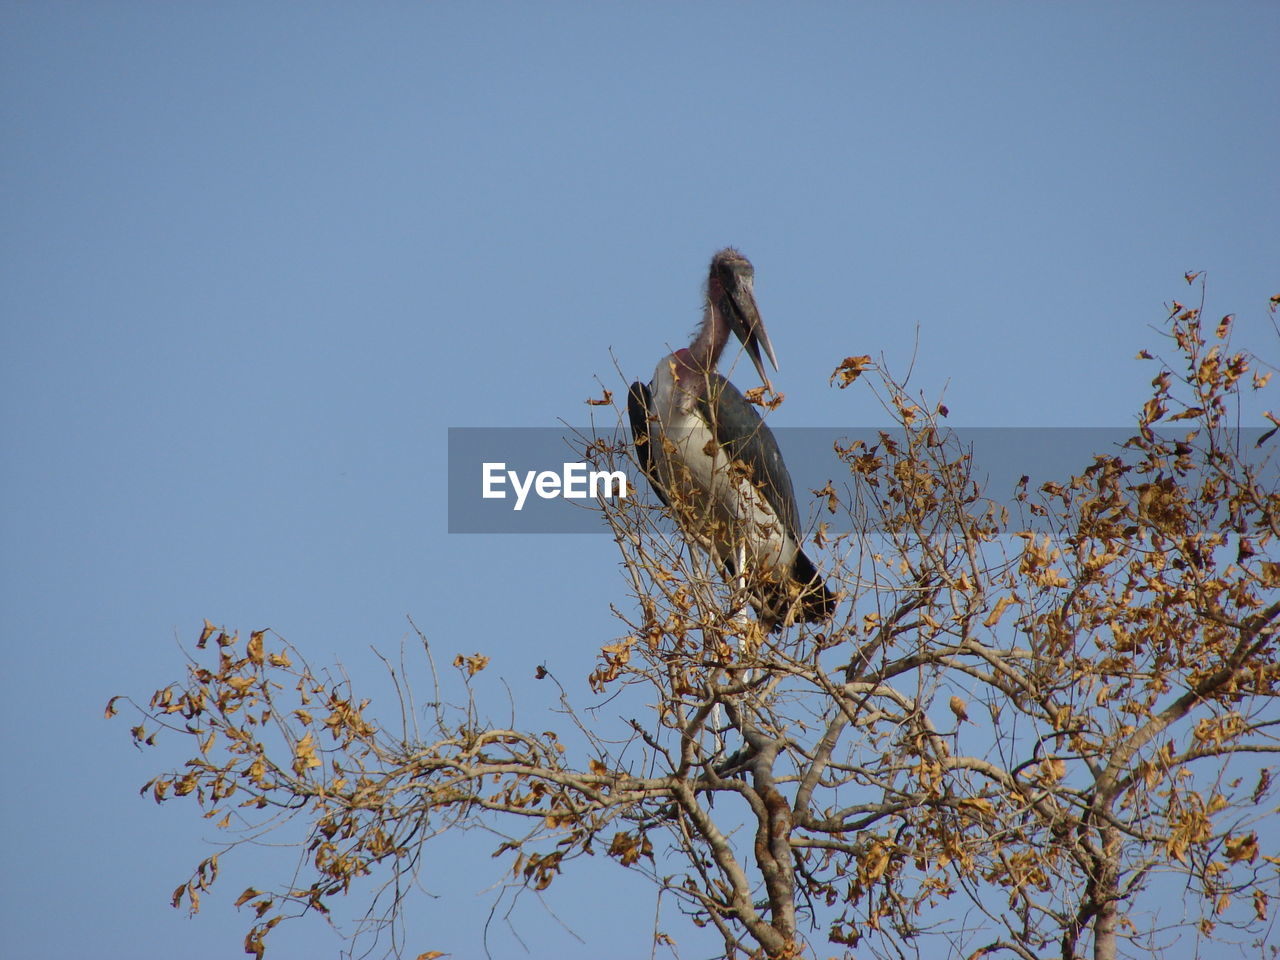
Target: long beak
x,y
745,322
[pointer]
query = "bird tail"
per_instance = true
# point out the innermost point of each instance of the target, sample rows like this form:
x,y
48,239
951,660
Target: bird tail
x,y
817,601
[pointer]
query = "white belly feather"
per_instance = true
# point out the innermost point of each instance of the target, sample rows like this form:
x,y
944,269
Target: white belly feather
x,y
716,505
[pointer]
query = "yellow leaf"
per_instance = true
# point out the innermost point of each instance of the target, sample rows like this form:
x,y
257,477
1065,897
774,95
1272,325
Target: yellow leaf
x,y
304,755
756,396
258,771
1243,848
1052,769
850,369
978,804
998,611
1271,573
245,897
874,863
474,663
254,648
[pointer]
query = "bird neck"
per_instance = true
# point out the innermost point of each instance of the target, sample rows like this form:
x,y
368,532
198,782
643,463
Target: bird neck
x,y
689,379
704,352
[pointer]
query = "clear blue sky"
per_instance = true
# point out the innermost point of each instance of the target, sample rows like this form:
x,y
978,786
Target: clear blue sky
x,y
259,257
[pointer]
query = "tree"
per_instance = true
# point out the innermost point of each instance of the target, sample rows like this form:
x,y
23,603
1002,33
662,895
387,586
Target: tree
x,y
1044,731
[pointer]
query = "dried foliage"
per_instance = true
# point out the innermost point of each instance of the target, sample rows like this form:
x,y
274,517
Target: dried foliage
x,y
1049,733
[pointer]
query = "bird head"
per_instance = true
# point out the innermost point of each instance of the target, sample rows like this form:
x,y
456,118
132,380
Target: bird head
x,y
731,286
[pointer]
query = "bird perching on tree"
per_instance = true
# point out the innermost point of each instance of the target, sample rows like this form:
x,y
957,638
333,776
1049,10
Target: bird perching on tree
x,y
716,464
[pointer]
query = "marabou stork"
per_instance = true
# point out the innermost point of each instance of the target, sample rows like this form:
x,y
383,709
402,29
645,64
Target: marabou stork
x,y
715,463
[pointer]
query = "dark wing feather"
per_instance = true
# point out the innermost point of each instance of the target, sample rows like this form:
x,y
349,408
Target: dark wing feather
x,y
747,438
639,405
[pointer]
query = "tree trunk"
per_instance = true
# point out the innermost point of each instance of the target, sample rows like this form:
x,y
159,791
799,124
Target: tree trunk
x,y
1107,897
